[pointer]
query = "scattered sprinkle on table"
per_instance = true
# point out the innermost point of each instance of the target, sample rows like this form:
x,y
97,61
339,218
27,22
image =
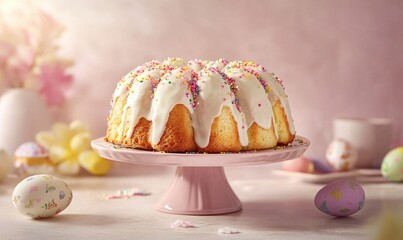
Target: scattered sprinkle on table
x,y
228,230
127,193
182,224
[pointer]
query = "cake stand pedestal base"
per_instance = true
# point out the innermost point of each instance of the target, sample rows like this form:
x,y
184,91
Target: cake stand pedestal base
x,y
200,191
200,186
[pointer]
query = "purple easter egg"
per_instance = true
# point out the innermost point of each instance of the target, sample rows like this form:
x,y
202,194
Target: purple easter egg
x,y
340,198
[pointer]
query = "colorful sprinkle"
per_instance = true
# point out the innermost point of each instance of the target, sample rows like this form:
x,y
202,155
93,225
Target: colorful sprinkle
x,y
231,83
127,193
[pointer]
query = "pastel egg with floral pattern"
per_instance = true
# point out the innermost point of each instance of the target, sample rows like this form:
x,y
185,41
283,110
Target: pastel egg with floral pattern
x,y
340,198
392,165
41,196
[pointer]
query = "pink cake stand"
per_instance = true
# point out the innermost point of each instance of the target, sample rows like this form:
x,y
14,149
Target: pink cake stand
x,y
200,186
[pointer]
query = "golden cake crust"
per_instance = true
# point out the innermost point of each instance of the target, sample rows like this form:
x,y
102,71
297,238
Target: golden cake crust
x,y
178,134
282,125
224,134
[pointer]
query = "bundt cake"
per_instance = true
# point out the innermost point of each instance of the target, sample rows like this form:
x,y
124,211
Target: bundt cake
x,y
200,106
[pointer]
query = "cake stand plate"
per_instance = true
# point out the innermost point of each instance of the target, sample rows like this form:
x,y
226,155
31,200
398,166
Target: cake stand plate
x,y
200,186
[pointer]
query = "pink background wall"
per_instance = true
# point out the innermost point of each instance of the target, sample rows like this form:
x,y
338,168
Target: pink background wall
x,y
337,58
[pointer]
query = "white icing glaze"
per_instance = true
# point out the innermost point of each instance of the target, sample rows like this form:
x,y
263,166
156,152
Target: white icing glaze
x,y
124,84
252,98
276,92
174,62
171,90
140,96
196,65
219,64
215,92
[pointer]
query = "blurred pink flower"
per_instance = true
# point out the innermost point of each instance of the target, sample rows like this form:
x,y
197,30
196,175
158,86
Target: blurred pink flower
x,y
6,50
19,65
28,53
53,83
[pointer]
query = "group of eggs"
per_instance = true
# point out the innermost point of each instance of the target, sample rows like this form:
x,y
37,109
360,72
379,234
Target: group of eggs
x,y
341,156
42,196
30,158
343,197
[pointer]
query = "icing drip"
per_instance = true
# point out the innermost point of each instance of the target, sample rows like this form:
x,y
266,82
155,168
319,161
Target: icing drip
x,y
139,96
278,90
232,85
172,90
124,84
274,88
252,97
215,93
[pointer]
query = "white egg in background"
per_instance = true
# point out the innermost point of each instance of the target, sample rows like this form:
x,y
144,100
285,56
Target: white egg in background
x,y
41,196
341,155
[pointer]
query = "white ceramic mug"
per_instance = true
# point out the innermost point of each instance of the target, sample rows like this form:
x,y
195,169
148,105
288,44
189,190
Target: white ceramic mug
x,y
372,137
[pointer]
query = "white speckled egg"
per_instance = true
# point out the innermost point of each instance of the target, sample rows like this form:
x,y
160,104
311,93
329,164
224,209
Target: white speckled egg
x,y
341,155
340,198
41,196
392,165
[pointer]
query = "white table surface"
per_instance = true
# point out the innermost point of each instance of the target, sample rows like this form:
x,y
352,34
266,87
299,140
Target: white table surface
x,y
273,208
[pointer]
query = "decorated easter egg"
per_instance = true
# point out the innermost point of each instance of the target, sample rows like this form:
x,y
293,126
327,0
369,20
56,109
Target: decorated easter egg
x,y
322,166
340,198
301,164
4,164
341,155
32,158
41,196
392,165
